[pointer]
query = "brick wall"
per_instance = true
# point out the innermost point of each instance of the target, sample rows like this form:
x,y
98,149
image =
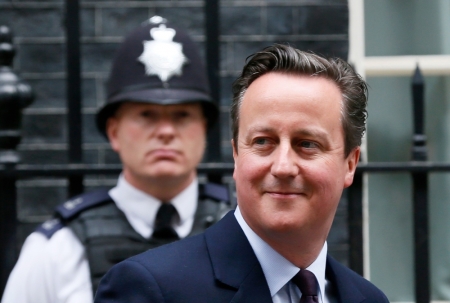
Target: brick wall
x,y
246,26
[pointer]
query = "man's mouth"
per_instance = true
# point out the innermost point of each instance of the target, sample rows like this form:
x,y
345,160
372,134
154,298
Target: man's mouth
x,y
284,194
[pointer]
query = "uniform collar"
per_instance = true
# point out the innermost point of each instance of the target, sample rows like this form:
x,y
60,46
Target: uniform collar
x,y
140,208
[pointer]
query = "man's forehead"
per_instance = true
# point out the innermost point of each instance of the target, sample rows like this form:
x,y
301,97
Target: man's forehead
x,y
310,109
313,81
271,86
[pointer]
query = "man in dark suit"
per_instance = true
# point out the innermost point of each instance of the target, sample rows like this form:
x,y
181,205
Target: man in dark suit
x,y
298,120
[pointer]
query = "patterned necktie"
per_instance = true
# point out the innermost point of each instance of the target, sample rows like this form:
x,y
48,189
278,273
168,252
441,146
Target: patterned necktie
x,y
163,223
307,283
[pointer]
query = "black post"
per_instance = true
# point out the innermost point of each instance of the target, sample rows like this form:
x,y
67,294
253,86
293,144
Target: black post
x,y
212,24
74,91
355,224
420,195
14,95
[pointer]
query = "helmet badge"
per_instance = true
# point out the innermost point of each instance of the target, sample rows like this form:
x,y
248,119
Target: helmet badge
x,y
162,56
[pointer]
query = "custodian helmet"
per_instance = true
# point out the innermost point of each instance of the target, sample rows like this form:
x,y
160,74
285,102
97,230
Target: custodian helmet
x,y
160,64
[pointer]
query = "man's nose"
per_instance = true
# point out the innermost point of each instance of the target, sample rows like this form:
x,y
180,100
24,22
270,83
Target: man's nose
x,y
285,164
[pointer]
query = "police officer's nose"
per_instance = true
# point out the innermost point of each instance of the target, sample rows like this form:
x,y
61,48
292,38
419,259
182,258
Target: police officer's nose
x,y
165,129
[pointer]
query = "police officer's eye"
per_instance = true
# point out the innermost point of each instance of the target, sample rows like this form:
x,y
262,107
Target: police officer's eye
x,y
148,114
181,114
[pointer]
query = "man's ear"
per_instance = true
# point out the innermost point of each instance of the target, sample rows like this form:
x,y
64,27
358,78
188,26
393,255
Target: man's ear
x,y
351,163
111,131
234,146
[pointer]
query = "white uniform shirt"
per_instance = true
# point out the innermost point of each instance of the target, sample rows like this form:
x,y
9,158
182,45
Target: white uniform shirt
x,y
56,270
278,271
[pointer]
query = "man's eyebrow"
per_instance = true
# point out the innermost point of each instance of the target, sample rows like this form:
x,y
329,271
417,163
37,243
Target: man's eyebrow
x,y
314,133
307,132
261,129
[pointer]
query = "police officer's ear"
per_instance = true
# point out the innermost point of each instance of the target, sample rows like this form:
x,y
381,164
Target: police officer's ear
x,y
205,122
112,126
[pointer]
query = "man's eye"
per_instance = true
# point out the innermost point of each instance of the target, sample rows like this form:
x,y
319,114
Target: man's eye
x,y
308,144
260,141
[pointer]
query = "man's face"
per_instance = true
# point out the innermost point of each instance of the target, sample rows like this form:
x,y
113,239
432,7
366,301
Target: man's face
x,y
290,167
158,142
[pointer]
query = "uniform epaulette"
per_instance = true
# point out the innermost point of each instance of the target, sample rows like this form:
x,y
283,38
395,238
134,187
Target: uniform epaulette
x,y
79,203
215,191
70,209
49,227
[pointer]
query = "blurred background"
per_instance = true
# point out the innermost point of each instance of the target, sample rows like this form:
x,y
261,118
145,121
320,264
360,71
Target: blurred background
x,y
374,228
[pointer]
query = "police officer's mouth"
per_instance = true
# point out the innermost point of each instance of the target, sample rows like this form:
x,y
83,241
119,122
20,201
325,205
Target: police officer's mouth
x,y
164,153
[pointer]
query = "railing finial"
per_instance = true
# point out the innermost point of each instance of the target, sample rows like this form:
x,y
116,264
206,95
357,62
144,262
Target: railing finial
x,y
14,96
419,149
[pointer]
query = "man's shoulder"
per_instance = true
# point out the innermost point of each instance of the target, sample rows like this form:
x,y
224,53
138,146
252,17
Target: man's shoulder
x,y
71,209
349,282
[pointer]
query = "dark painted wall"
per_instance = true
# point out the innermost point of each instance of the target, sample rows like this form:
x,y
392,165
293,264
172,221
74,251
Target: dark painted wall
x,y
246,26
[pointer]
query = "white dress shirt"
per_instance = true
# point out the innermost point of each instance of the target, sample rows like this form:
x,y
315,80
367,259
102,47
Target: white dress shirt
x,y
278,271
140,208
56,270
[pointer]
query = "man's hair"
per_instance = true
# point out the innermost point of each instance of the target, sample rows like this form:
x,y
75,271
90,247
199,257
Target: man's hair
x,y
288,60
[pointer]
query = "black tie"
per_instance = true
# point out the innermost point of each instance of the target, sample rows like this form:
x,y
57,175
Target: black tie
x,y
163,222
307,283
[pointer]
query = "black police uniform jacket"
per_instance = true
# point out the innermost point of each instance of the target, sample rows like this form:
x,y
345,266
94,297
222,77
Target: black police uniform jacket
x,y
107,235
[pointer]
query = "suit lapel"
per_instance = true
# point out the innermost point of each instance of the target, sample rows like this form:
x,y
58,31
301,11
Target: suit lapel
x,y
235,265
340,277
234,262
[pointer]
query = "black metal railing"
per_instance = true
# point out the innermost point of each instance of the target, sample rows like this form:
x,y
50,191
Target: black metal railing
x,y
420,194
73,93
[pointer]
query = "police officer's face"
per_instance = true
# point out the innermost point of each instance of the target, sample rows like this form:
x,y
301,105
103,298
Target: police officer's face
x,y
290,167
162,143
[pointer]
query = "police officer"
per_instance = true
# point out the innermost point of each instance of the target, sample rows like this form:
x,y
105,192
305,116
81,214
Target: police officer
x,y
156,116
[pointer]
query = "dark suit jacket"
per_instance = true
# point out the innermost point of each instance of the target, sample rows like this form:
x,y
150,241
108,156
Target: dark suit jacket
x,y
216,266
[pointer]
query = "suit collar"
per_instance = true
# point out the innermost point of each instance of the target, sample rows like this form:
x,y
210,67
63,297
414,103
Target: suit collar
x,y
341,278
235,265
234,262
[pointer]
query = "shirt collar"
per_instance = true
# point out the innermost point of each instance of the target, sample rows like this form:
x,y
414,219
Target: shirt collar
x,y
140,208
277,269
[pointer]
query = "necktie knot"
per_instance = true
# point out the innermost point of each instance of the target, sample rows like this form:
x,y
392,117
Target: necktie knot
x,y
163,222
307,283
